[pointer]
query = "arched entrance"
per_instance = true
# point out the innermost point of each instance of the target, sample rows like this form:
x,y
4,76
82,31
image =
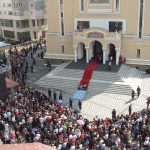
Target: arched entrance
x,y
96,50
81,51
110,52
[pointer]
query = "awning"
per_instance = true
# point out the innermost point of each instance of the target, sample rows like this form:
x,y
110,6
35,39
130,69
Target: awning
x,y
27,146
10,83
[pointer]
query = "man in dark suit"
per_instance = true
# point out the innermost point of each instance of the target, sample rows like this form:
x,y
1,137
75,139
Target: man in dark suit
x,y
130,109
70,103
138,91
133,94
60,96
54,95
113,113
49,93
80,104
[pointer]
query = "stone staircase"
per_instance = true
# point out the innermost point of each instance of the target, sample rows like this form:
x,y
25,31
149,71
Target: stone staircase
x,y
106,76
67,81
124,71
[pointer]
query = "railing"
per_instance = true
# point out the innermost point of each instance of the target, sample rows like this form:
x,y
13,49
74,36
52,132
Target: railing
x,y
82,32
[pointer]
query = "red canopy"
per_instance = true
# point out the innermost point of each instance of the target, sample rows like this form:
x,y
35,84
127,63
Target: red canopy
x,y
27,146
10,83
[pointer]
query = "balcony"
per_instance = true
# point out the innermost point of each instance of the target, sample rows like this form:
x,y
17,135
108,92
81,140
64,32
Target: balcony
x,y
96,33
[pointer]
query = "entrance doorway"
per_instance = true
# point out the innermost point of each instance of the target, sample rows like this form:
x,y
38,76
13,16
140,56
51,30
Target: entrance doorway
x,y
113,51
97,49
43,34
81,51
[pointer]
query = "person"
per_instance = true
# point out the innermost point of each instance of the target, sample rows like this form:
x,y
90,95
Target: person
x,y
49,93
123,59
41,55
113,113
130,109
70,103
109,65
133,94
85,87
80,104
26,68
60,96
148,101
111,58
31,55
31,68
34,61
50,66
138,91
47,63
54,95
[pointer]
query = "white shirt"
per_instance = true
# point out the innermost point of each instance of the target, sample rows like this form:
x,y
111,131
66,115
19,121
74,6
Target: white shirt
x,y
41,120
74,137
13,119
23,121
6,127
72,147
61,129
9,116
106,137
5,115
38,136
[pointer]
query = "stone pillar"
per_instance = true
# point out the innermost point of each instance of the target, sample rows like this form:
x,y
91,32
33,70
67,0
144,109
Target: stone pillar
x,y
31,29
87,56
104,56
117,57
15,30
75,55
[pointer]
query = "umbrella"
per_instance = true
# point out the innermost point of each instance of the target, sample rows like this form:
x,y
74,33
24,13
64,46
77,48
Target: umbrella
x,y
63,117
72,118
80,122
58,101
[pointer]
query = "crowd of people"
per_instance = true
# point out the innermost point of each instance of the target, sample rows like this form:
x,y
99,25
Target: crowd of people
x,y
31,116
34,117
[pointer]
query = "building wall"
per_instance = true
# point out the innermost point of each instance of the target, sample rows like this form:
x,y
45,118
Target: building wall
x,y
99,16
29,12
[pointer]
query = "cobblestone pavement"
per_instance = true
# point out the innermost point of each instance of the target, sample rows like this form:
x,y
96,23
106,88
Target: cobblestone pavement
x,y
39,69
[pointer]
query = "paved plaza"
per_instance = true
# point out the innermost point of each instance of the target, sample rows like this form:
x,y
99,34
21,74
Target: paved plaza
x,y
106,91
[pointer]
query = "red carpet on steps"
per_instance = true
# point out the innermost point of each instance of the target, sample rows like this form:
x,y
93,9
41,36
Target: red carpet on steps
x,y
88,73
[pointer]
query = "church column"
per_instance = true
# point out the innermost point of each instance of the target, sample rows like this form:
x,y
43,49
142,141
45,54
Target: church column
x,y
117,57
87,56
104,56
75,55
